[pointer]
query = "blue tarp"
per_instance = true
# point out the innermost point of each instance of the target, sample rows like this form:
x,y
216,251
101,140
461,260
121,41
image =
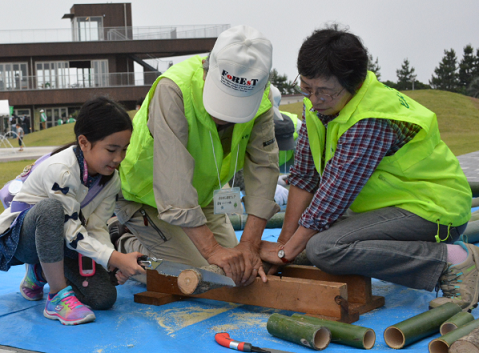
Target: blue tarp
x,y
186,326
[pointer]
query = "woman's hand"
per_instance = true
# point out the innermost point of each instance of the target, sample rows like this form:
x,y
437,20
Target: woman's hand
x,y
269,253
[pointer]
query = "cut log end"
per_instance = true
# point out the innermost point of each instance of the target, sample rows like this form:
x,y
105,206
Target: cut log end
x,y
189,280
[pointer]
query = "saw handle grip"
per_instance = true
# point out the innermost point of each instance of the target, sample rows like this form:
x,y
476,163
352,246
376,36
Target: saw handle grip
x,y
224,339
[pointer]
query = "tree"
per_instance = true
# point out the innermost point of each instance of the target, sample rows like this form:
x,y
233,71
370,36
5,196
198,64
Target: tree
x,y
466,67
406,76
374,66
281,82
446,73
473,89
475,65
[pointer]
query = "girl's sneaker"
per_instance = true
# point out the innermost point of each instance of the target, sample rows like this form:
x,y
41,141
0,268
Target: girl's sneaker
x,y
65,306
31,287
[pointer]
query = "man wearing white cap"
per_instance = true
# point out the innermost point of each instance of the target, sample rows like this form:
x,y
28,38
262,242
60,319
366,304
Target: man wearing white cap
x,y
203,120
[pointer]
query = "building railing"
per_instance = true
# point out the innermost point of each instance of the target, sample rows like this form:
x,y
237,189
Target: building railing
x,y
110,33
119,79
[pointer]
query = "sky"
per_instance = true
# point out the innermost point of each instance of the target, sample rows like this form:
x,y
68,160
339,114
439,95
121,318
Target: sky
x,y
418,30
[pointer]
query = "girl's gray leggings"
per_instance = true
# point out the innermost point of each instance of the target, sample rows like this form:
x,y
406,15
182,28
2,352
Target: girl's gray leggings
x,y
42,240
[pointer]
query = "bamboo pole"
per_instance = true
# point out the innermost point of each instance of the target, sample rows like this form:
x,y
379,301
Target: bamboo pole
x,y
467,344
474,188
419,326
342,333
239,220
443,343
472,232
456,321
305,334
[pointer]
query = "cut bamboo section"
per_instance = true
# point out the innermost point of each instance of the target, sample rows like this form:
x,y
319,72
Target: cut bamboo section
x,y
467,344
443,343
458,320
342,333
328,299
303,333
419,326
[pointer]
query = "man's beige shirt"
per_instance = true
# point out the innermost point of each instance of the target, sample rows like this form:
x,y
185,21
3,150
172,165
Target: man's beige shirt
x,y
175,196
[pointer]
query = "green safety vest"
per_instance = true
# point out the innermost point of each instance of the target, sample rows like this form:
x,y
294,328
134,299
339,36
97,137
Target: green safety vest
x,y
423,177
136,170
285,156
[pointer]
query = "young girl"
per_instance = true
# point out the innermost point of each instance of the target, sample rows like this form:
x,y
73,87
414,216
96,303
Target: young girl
x,y
61,211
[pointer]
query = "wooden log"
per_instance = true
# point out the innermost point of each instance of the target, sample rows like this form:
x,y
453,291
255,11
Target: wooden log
x,y
419,326
303,333
342,333
190,281
467,344
443,343
456,321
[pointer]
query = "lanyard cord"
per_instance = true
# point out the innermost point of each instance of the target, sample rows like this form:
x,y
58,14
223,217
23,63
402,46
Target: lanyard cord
x,y
236,164
216,164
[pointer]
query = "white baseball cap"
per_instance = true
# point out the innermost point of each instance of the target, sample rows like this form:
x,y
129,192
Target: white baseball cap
x,y
238,73
276,102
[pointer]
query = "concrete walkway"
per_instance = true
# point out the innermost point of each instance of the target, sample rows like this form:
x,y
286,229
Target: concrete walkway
x,y
13,154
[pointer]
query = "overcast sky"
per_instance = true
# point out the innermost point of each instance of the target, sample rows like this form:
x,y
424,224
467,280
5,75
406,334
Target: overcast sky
x,y
419,30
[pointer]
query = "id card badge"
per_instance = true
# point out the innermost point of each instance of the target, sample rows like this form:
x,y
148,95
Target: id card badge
x,y
227,201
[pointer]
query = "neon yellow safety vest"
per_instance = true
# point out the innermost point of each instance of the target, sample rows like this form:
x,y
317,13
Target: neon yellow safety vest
x,y
423,176
285,156
136,170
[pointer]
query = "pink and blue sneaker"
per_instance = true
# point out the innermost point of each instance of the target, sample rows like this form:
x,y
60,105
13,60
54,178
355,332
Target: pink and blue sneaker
x,y
65,306
31,287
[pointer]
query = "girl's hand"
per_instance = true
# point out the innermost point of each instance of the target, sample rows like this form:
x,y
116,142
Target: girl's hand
x,y
127,265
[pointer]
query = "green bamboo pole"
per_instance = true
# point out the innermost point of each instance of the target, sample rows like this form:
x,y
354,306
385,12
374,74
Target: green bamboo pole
x,y
239,220
342,333
419,326
442,344
305,334
471,234
475,188
458,320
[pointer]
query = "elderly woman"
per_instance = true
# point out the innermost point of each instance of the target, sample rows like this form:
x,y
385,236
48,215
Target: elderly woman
x,y
374,190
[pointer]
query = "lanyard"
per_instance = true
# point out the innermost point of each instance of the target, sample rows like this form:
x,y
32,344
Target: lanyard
x,y
216,163
85,171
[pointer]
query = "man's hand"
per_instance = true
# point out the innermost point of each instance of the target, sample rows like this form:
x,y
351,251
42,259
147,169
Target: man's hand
x,y
253,264
231,260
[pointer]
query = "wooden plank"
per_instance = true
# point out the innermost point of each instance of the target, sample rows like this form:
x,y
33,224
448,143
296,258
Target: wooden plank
x,y
154,298
285,293
359,287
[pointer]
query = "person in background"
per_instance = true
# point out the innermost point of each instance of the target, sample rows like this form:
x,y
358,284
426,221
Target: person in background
x,y
20,135
374,191
58,219
204,119
43,119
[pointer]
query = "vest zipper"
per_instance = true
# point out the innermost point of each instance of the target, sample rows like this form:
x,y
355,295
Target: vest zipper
x,y
153,225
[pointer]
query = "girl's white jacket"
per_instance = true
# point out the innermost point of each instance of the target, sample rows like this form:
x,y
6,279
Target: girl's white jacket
x,y
62,168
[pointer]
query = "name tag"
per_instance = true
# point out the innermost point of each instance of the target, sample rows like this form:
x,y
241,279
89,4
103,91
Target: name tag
x,y
227,201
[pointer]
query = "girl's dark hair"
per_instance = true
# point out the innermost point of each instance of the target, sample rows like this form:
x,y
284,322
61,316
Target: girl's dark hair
x,y
97,119
334,52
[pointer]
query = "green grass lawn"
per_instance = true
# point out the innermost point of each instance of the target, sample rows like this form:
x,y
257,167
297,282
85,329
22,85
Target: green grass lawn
x,y
458,118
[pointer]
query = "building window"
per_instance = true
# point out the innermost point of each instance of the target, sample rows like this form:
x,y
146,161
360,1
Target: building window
x,y
13,76
88,28
53,74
